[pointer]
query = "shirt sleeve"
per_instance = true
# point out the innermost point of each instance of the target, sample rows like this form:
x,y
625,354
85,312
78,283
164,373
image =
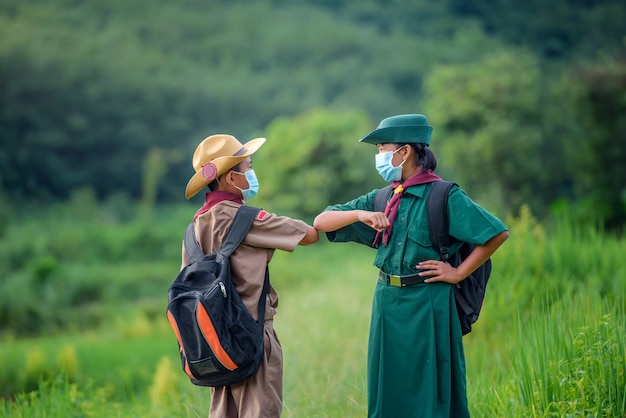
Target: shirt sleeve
x,y
276,232
470,222
357,232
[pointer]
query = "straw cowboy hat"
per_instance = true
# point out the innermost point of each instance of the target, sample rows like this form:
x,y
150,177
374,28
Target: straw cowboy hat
x,y
400,129
214,156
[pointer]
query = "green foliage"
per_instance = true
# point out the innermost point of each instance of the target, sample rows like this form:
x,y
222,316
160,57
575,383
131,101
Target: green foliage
x,y
566,359
603,178
162,391
554,29
89,88
59,399
155,166
574,360
96,94
524,358
315,160
78,109
24,371
497,133
59,265
538,263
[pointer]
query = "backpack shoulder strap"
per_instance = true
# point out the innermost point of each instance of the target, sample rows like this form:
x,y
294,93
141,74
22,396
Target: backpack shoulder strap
x,y
236,233
192,247
381,198
437,212
238,229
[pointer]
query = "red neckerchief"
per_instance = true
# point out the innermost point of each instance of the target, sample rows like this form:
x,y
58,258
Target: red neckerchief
x,y
214,198
391,210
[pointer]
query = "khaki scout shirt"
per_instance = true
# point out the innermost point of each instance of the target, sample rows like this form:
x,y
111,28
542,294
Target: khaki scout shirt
x,y
268,233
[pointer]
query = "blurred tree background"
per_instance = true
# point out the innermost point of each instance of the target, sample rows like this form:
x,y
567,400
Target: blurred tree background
x,y
528,99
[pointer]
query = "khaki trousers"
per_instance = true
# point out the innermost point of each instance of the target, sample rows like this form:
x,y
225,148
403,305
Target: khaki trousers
x,y
259,396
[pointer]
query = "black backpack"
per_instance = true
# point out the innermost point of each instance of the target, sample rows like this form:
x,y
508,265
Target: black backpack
x,y
470,293
220,343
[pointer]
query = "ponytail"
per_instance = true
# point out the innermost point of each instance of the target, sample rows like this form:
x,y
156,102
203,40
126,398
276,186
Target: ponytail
x,y
424,157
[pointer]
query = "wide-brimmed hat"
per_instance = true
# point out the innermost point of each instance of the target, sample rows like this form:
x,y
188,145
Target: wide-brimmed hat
x,y
400,129
214,156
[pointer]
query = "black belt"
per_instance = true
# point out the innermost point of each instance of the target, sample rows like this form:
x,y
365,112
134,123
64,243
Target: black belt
x,y
401,281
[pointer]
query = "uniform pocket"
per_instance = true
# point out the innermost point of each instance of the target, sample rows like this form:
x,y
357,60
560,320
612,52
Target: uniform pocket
x,y
419,247
419,235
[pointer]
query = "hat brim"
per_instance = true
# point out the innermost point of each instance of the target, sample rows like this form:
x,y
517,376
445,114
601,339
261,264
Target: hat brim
x,y
221,164
399,135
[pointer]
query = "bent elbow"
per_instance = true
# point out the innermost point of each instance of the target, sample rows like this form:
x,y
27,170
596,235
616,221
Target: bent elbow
x,y
501,237
318,223
325,221
311,237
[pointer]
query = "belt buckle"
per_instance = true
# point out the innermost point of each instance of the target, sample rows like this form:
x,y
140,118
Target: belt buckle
x,y
395,281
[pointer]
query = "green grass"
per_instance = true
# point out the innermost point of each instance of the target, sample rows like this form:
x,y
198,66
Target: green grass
x,y
574,361
549,342
322,322
565,360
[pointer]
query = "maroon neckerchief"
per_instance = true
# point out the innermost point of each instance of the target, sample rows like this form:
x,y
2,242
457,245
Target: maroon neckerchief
x,y
391,210
214,198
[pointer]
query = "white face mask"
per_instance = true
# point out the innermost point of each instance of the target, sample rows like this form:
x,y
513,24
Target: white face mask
x,y
386,169
253,185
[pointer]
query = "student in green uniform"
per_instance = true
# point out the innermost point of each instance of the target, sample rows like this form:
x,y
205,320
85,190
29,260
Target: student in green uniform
x,y
416,363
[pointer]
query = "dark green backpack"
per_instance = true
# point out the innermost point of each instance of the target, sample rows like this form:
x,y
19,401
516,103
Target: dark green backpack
x,y
470,293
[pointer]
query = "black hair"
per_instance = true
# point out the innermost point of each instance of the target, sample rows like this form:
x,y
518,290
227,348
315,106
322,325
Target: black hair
x,y
424,157
213,185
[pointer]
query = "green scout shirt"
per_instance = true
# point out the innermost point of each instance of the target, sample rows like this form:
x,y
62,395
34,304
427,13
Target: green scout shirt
x,y
410,241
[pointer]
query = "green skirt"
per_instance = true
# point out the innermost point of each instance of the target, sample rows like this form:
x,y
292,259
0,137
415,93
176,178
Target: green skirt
x,y
416,364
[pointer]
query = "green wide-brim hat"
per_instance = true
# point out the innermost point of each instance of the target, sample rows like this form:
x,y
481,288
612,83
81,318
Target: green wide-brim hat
x,y
401,129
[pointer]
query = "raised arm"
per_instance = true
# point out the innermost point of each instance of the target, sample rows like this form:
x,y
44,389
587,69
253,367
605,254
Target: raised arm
x,y
333,220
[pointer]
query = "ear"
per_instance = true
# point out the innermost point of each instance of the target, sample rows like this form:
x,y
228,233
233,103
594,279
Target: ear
x,y
228,177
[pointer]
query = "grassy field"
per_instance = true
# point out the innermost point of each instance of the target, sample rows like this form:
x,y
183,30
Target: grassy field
x,y
549,343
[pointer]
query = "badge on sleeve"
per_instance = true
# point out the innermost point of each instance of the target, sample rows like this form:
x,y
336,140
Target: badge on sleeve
x,y
262,214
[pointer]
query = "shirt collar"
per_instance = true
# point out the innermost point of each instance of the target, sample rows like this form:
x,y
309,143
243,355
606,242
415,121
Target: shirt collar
x,y
417,190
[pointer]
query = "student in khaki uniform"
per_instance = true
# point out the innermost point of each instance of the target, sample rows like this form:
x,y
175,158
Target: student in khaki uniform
x,y
223,164
416,364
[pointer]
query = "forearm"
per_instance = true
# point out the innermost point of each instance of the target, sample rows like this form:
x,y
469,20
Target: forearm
x,y
332,220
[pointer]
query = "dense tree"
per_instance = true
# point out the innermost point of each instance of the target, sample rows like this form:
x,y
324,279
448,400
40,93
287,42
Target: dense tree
x,y
602,175
497,131
514,131
90,87
563,29
97,93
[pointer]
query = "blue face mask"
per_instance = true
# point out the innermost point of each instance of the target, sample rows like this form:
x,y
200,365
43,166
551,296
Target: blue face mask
x,y
386,169
253,185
